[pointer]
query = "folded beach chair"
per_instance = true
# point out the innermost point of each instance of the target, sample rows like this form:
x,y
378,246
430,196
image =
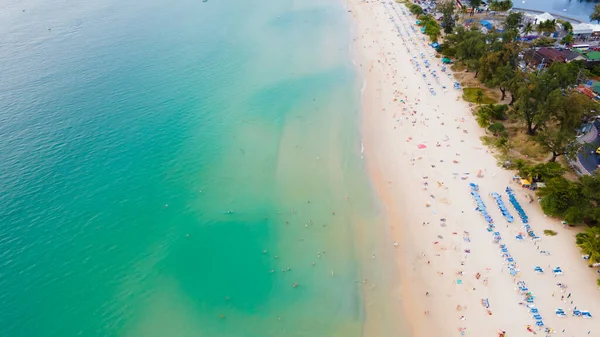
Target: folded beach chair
x,y
534,310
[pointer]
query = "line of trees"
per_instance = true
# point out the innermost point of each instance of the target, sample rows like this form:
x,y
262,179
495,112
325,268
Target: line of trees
x,y
544,101
575,201
431,27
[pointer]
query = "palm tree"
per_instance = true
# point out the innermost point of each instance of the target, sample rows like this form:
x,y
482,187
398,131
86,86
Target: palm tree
x,y
589,242
528,29
479,97
595,16
483,118
567,26
548,26
475,4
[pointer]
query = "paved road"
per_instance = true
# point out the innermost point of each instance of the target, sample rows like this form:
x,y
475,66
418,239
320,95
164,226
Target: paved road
x,y
590,161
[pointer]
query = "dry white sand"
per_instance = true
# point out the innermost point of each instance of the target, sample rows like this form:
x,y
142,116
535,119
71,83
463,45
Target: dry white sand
x,y
419,187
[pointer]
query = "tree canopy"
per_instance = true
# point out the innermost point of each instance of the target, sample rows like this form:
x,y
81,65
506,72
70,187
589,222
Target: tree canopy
x,y
501,5
447,8
548,26
595,16
475,4
513,20
542,94
589,242
415,9
575,201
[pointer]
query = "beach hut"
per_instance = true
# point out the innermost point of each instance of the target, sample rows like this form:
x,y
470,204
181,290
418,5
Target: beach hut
x,y
544,17
525,183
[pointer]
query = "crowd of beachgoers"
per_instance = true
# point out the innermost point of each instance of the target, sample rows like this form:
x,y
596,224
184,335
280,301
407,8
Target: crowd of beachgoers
x,y
471,265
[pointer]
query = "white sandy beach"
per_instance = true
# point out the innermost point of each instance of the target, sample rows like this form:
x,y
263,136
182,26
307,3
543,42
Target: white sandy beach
x,y
422,186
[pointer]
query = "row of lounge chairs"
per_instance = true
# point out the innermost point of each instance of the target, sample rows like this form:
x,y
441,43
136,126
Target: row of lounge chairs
x,y
512,267
524,219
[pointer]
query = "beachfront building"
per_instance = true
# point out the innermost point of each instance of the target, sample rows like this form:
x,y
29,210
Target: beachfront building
x,y
582,31
546,56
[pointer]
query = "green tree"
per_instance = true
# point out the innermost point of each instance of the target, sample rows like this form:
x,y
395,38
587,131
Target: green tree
x,y
590,191
567,26
567,39
559,195
498,69
528,29
479,96
596,70
589,243
501,5
433,30
540,172
415,9
541,96
547,171
483,117
513,20
576,201
497,128
471,46
548,26
595,16
572,108
447,9
557,142
474,5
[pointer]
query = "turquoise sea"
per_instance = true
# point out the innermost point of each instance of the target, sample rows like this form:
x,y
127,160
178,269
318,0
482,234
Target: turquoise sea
x,y
163,164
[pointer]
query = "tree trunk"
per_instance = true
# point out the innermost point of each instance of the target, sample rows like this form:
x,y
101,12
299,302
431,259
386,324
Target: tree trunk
x,y
512,99
554,156
503,91
530,129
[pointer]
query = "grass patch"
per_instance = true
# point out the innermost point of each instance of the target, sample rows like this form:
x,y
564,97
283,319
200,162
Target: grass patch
x,y
549,232
522,143
470,95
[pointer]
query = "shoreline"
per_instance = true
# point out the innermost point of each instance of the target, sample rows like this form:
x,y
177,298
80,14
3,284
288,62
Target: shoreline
x,y
445,256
